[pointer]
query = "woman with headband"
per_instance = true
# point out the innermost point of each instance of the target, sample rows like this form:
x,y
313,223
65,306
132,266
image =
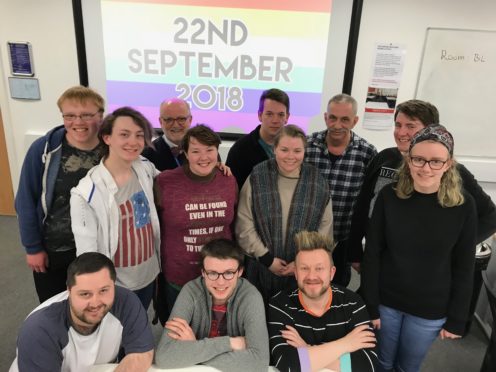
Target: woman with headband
x,y
419,257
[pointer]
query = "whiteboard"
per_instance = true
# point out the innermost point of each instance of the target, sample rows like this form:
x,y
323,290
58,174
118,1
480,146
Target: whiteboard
x,y
458,75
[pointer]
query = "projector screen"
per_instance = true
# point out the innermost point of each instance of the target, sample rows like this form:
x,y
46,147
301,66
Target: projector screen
x,y
218,55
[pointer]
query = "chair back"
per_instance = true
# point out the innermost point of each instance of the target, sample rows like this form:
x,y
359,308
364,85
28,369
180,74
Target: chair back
x,y
491,294
489,362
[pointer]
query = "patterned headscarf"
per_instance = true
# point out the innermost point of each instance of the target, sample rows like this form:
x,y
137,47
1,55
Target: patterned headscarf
x,y
436,133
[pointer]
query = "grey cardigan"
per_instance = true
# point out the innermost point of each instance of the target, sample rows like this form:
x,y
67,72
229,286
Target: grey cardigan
x,y
245,317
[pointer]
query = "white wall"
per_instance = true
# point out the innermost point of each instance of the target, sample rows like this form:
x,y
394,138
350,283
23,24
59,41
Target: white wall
x,y
48,26
405,22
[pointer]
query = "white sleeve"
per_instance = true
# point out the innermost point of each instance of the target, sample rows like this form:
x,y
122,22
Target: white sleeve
x,y
84,224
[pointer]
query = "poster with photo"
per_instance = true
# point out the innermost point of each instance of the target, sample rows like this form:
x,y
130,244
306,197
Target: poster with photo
x,y
383,86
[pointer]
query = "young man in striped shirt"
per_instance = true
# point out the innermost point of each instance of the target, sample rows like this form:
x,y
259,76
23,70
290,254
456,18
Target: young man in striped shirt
x,y
319,325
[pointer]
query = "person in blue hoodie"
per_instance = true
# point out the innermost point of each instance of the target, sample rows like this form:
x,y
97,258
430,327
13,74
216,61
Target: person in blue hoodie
x,y
53,165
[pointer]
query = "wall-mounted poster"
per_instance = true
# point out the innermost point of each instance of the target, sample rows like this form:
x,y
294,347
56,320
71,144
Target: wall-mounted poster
x,y
24,88
21,58
383,86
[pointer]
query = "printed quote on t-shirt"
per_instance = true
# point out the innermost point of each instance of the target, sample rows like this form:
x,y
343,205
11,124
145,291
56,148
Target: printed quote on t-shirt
x,y
202,227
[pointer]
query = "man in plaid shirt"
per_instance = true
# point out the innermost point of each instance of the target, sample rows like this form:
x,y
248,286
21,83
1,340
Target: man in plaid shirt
x,y
342,157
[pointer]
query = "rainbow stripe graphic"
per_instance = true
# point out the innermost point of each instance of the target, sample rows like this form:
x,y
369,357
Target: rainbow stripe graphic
x,y
218,55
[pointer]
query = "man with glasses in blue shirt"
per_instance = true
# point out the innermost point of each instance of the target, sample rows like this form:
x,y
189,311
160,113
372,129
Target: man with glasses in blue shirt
x,y
175,119
53,165
218,318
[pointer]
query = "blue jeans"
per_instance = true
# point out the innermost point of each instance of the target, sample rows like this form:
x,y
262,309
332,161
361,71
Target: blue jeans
x,y
145,294
166,297
404,339
172,293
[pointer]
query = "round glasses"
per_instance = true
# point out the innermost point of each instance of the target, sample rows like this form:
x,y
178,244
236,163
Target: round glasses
x,y
434,164
214,275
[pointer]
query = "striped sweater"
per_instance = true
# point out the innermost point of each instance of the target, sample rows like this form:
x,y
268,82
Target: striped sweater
x,y
346,312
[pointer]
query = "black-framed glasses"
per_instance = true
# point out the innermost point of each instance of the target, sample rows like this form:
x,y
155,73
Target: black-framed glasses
x,y
84,117
434,164
180,120
227,275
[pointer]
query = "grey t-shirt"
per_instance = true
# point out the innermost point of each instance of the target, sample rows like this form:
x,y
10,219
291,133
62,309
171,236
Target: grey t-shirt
x,y
135,259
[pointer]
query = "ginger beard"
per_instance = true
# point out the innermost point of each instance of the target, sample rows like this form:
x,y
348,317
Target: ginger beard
x,y
314,272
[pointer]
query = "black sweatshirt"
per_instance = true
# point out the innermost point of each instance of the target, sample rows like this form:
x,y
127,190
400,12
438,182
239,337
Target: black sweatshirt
x,y
382,171
419,257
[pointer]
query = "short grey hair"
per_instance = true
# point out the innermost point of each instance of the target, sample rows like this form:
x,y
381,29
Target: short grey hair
x,y
344,98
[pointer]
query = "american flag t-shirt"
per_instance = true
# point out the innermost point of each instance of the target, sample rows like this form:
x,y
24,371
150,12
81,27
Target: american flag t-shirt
x,y
136,233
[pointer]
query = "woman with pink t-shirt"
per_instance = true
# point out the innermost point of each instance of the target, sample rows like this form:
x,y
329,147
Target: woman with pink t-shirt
x,y
197,204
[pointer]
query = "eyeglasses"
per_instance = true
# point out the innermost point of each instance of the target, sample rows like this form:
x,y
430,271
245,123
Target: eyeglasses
x,y
434,164
84,117
180,120
227,275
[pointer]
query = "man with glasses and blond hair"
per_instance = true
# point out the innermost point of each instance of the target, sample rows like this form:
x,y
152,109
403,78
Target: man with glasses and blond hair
x,y
218,319
319,325
53,165
175,119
